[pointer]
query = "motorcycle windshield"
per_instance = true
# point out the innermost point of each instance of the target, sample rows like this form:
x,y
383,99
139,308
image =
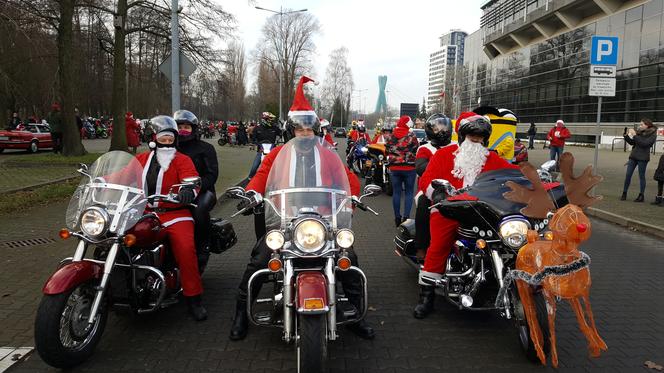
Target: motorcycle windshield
x,y
307,178
114,186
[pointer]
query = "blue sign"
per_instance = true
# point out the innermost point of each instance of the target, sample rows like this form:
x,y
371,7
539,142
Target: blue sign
x,y
604,50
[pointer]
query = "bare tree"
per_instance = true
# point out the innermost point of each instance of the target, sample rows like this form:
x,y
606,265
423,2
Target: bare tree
x,y
338,83
287,46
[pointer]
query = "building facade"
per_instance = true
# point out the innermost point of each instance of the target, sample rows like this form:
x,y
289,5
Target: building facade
x,y
548,80
442,63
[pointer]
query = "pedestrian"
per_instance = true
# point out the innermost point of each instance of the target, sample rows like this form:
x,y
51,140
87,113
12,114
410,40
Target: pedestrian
x,y
55,124
532,131
659,176
401,149
79,121
557,136
241,134
641,140
14,122
132,131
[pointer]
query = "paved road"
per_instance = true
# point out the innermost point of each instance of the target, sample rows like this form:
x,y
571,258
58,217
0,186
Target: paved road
x,y
626,299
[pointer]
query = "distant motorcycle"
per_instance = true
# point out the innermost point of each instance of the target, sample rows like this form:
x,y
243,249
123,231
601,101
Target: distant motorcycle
x,y
223,138
89,130
101,132
376,168
357,156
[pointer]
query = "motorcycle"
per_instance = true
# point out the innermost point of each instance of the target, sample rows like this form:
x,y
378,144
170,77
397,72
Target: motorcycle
x,y
89,130
309,234
357,156
223,138
131,265
376,168
491,232
101,132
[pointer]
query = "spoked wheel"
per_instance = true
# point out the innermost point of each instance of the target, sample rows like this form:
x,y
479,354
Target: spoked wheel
x,y
63,337
523,329
311,344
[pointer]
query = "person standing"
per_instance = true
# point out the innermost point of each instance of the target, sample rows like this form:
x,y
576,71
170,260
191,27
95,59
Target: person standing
x,y
659,176
132,130
401,149
641,140
14,122
557,136
79,122
55,124
532,132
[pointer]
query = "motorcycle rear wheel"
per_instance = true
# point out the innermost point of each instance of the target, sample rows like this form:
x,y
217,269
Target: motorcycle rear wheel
x,y
311,347
63,338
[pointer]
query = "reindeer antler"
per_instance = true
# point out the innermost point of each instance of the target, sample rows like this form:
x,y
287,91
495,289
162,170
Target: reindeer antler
x,y
578,188
537,200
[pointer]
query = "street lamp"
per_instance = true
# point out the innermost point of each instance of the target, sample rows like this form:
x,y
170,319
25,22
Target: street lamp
x,y
360,99
281,13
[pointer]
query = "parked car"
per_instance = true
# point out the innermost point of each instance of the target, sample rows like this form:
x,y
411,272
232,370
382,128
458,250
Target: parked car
x,y
339,132
34,137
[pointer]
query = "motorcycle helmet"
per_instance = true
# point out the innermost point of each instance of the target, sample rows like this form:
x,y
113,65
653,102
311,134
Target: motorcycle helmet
x,y
302,121
474,125
438,129
387,128
361,128
268,119
163,125
186,117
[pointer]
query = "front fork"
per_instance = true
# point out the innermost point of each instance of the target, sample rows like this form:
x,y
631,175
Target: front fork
x,y
108,267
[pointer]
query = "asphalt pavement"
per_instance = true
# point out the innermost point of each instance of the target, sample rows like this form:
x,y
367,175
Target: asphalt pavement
x,y
626,298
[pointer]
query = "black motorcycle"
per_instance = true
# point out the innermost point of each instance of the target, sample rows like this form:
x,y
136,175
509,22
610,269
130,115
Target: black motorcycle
x,y
491,232
376,168
223,138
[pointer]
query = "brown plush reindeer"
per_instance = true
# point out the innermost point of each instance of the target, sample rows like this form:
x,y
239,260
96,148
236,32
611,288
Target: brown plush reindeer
x,y
557,264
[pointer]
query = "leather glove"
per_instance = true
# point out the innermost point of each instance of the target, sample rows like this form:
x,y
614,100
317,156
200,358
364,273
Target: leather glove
x,y
244,203
438,195
186,196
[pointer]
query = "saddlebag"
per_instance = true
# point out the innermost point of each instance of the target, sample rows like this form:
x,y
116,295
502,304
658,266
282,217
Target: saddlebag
x,y
405,238
222,236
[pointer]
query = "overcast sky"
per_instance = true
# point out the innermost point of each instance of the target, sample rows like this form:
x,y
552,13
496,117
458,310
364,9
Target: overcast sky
x,y
383,37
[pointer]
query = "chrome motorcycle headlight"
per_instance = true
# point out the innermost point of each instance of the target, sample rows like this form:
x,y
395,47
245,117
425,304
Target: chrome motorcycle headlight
x,y
94,221
274,240
514,232
364,150
345,238
309,236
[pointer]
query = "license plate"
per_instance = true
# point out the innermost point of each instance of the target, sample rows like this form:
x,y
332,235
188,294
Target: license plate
x,y
4,138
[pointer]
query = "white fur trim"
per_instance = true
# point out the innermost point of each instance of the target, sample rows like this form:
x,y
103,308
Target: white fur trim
x,y
176,220
303,112
429,191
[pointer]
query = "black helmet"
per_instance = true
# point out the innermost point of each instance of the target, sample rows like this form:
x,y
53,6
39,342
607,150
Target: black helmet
x,y
186,116
304,121
163,123
475,125
438,129
361,127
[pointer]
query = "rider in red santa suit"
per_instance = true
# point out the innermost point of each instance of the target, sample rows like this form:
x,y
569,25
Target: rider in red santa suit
x,y
162,168
460,165
325,132
361,133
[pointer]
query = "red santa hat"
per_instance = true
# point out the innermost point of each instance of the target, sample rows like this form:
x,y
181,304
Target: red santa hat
x,y
405,121
462,116
301,105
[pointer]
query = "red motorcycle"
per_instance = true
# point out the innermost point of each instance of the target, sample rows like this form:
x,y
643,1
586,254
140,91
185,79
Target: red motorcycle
x,y
131,265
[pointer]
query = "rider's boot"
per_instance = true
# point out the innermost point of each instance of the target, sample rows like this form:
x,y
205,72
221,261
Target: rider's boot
x,y
361,328
425,304
195,308
241,320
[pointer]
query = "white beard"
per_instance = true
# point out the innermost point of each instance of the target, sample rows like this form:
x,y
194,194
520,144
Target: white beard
x,y
165,156
468,161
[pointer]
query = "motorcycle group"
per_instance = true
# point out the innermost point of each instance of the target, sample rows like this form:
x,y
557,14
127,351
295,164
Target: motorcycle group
x,y
144,233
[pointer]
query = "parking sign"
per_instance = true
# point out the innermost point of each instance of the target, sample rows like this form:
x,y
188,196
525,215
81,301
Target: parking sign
x,y
604,50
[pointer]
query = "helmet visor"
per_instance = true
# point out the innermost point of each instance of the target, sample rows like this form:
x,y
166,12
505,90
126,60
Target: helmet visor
x,y
304,121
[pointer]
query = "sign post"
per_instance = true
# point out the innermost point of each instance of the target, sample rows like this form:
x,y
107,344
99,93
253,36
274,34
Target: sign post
x,y
603,61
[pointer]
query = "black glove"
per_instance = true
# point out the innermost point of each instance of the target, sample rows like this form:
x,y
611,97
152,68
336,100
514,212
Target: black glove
x,y
438,195
244,203
186,196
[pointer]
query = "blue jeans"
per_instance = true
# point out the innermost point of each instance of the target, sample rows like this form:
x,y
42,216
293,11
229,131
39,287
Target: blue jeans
x,y
555,152
256,164
631,166
402,181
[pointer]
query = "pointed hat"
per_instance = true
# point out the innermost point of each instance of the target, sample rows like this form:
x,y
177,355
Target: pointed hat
x,y
300,104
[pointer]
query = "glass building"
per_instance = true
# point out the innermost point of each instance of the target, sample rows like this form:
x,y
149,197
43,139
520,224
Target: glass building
x,y
549,80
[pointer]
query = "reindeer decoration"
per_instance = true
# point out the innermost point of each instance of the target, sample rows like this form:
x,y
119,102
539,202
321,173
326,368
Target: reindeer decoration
x,y
557,264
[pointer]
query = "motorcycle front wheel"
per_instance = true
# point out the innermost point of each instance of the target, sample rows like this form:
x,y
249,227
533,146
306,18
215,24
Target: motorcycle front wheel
x,y
523,329
311,343
63,337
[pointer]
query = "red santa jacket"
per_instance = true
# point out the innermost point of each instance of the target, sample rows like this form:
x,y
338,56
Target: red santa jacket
x,y
442,163
132,129
562,135
356,135
259,181
329,139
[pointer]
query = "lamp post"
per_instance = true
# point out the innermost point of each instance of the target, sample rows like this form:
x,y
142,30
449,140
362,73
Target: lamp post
x,y
360,100
281,13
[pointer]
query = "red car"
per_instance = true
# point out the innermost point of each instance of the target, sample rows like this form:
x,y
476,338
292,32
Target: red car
x,y
34,137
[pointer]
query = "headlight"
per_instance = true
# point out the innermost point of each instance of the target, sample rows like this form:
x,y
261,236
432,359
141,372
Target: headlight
x,y
514,232
274,240
309,236
364,149
345,238
94,221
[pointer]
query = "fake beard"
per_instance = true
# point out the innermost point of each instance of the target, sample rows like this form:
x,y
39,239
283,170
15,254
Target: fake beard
x,y
468,161
165,156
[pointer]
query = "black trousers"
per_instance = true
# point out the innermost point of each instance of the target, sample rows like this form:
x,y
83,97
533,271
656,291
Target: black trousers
x,y
260,255
201,214
422,217
56,137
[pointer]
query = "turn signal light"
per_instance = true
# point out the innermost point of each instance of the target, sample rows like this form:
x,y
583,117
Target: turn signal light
x,y
313,304
548,235
343,263
480,244
64,233
129,240
274,265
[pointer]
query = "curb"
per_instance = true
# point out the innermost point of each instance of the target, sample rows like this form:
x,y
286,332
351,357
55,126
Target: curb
x,y
34,186
626,222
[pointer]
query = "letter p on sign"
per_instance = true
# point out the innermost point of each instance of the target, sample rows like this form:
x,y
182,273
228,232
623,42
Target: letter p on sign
x,y
604,50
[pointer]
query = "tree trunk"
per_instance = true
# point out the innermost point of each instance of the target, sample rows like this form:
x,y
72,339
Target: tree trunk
x,y
119,140
71,138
